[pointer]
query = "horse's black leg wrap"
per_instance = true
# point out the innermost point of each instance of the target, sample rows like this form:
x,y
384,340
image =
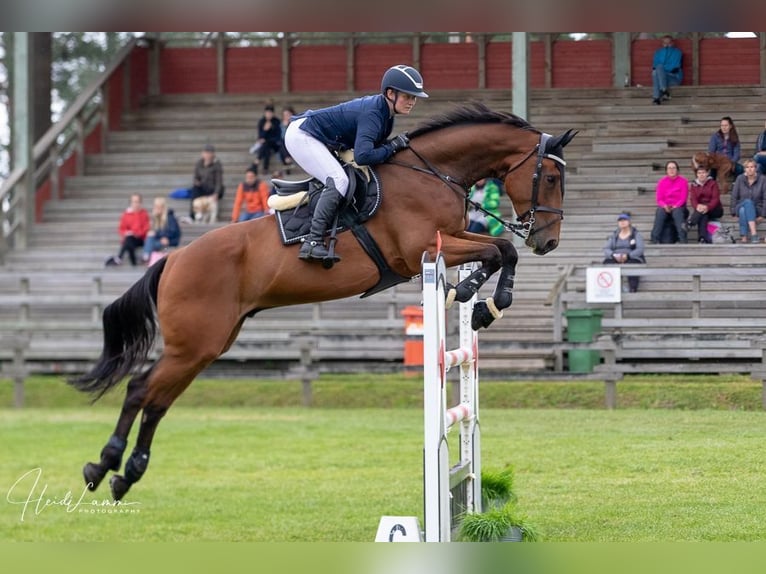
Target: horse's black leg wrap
x,y
469,286
503,296
136,465
134,470
111,459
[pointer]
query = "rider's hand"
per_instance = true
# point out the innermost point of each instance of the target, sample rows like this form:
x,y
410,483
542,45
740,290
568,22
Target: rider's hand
x,y
400,142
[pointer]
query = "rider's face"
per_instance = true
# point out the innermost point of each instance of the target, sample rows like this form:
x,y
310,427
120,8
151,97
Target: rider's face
x,y
404,103
400,102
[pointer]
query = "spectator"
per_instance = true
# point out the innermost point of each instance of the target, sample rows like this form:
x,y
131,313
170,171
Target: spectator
x,y
253,194
165,231
287,116
133,227
705,198
208,178
485,192
269,138
747,201
625,245
726,141
760,152
667,70
671,195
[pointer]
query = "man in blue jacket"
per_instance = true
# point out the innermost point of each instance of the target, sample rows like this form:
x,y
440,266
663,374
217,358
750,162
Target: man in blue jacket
x,y
666,70
363,124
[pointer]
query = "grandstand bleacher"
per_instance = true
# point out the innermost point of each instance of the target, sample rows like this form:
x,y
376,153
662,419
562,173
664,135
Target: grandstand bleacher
x,y
613,164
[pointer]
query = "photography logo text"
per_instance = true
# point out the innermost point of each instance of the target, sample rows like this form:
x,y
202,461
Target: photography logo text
x,y
33,497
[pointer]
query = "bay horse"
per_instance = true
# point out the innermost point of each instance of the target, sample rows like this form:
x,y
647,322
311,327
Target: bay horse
x,y
199,296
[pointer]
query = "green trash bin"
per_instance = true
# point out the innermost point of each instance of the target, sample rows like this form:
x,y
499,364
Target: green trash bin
x,y
582,327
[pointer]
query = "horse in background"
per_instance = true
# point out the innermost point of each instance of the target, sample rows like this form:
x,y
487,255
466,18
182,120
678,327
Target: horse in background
x,y
723,166
198,297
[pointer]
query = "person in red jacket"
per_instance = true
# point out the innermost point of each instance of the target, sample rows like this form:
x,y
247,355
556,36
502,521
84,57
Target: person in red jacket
x,y
133,227
252,195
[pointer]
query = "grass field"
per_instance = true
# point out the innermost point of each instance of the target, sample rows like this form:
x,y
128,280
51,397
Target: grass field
x,y
250,473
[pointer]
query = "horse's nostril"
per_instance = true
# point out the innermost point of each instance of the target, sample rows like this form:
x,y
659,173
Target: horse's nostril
x,y
551,245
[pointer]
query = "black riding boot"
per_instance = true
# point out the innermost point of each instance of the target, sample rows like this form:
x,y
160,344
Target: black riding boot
x,y
324,213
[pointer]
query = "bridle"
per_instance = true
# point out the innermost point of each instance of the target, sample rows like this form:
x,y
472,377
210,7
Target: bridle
x,y
525,228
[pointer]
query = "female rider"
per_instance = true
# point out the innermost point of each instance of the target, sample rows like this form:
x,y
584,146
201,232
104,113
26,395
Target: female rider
x,y
363,124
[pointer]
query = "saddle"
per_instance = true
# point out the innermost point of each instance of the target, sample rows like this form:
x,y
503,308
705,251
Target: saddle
x,y
294,203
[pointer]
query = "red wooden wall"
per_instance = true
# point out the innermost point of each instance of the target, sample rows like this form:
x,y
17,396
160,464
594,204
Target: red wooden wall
x,y
317,68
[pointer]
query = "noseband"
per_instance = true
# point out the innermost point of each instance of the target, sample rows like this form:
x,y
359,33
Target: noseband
x,y
526,228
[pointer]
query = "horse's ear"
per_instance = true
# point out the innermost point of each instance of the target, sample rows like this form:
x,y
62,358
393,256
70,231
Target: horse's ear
x,y
562,139
567,137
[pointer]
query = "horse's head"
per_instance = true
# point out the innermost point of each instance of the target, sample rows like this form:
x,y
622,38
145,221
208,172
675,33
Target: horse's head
x,y
535,184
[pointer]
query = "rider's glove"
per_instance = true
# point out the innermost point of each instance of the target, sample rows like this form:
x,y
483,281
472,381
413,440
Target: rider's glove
x,y
399,142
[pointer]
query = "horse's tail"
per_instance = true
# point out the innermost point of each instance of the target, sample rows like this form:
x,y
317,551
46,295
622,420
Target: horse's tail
x,y
130,327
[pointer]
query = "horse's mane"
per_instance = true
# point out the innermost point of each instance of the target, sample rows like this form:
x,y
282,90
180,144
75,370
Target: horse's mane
x,y
471,113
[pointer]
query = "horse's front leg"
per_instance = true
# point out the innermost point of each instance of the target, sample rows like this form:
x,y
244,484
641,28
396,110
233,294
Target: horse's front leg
x,y
494,253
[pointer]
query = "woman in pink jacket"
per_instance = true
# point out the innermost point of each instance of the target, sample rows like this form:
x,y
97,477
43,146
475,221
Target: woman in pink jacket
x,y
672,193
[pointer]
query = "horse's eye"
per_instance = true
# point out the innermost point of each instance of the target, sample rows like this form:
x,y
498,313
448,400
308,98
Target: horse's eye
x,y
551,179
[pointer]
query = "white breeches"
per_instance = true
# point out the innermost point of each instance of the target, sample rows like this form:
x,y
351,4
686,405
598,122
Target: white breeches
x,y
314,157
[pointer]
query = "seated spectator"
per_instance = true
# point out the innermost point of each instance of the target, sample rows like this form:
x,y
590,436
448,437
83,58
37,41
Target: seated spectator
x,y
287,116
726,141
667,70
164,233
133,227
253,195
207,179
625,245
747,201
485,192
269,139
760,152
705,198
672,192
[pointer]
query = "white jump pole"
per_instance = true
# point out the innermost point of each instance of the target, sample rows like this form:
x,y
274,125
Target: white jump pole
x,y
438,477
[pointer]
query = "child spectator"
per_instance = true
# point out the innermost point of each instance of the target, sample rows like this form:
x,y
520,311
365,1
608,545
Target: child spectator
x,y
164,233
705,198
253,195
133,227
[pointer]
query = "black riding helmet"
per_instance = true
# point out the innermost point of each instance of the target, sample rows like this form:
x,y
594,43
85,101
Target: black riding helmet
x,y
404,79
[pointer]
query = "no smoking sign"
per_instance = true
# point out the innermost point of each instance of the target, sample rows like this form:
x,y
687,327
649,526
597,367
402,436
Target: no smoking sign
x,y
603,285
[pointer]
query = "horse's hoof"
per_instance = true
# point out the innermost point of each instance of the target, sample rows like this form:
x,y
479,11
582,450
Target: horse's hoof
x,y
450,298
481,317
119,486
93,475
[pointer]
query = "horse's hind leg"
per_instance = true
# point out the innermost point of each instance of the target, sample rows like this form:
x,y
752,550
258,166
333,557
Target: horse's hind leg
x,y
111,454
169,378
